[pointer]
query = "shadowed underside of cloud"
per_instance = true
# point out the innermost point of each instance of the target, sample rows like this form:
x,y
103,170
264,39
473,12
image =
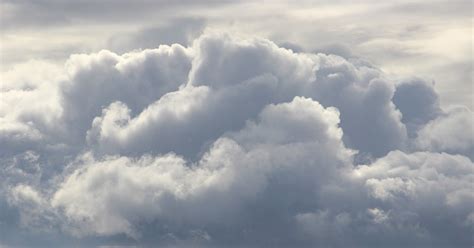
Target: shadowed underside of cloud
x,y
230,141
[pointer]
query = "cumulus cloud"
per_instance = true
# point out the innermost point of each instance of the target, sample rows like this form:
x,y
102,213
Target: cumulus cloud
x,y
263,73
231,141
418,102
232,175
451,132
421,184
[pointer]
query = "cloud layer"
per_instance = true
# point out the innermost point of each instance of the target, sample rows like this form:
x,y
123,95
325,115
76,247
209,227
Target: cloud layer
x,y
230,141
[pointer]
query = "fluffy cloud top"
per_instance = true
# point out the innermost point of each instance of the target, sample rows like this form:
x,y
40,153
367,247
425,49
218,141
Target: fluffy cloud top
x,y
230,141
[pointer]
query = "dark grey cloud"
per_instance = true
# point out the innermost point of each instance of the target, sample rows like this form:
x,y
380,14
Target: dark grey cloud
x,y
418,103
230,141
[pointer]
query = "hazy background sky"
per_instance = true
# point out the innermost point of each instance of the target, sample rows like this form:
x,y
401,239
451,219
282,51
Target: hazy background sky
x,y
429,39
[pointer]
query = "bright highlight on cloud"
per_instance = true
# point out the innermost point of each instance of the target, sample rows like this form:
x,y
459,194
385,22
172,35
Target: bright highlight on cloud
x,y
230,141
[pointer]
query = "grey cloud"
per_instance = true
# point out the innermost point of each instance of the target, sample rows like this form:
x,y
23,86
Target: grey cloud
x,y
368,117
232,175
239,89
106,77
418,102
451,132
421,184
162,127
329,79
238,73
401,193
231,141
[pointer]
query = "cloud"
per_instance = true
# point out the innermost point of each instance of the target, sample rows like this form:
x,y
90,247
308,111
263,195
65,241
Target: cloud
x,y
331,80
243,76
136,79
177,31
417,185
61,13
230,141
230,176
161,127
451,132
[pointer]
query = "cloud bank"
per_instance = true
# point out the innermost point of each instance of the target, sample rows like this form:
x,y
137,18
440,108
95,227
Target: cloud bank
x,y
230,141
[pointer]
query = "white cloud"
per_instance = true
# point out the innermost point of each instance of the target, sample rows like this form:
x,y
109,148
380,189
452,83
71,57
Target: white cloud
x,y
232,141
159,128
422,183
228,178
452,132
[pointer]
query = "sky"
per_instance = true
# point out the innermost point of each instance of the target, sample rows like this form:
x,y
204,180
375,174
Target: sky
x,y
208,123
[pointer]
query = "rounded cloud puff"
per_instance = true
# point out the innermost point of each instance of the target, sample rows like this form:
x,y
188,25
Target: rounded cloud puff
x,y
231,141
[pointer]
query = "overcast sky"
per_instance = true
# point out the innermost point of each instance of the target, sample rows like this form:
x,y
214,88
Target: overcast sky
x,y
236,123
429,39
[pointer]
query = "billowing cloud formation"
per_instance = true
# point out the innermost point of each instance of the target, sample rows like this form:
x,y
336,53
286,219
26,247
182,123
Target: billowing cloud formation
x,y
451,132
230,141
235,171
